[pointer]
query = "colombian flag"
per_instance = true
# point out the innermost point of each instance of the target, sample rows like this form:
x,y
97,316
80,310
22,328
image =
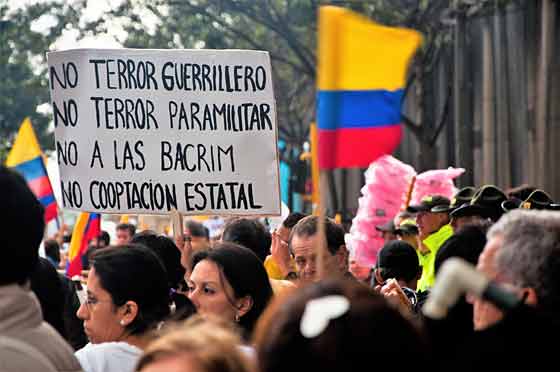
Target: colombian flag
x,y
361,76
26,157
87,227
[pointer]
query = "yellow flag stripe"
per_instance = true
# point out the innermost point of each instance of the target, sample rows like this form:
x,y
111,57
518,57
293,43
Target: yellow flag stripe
x,y
78,235
25,147
355,53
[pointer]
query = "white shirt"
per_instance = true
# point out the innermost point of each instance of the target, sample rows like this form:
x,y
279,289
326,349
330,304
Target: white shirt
x,y
109,357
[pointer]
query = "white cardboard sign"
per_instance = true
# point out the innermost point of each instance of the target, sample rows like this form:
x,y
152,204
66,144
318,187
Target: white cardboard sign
x,y
148,131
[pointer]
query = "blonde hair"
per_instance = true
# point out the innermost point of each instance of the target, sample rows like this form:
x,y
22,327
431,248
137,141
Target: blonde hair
x,y
211,342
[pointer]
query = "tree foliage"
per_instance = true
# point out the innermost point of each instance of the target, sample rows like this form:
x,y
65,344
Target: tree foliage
x,y
23,68
285,28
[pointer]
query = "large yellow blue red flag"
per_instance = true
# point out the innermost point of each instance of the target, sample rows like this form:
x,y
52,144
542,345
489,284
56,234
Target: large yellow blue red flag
x,y
361,76
27,158
87,227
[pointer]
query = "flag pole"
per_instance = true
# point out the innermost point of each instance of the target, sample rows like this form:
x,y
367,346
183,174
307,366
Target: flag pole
x,y
315,174
322,248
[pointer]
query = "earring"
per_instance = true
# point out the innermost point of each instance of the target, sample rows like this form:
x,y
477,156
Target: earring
x,y
121,322
237,317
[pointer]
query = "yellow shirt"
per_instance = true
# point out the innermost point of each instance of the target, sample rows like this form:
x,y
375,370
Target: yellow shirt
x,y
433,242
272,268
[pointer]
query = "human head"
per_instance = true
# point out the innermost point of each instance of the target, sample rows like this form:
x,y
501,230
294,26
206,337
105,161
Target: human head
x,y
523,252
22,222
464,218
303,242
125,232
167,252
231,282
407,231
127,294
200,344
52,249
387,231
367,332
287,225
102,240
199,235
398,260
249,233
466,243
462,197
402,216
431,214
486,203
47,286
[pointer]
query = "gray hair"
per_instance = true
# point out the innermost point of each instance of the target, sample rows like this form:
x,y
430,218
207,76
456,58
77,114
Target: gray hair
x,y
529,255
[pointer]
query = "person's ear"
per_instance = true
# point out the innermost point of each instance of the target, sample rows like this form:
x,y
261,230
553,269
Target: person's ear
x,y
378,278
419,274
244,305
342,255
128,313
530,296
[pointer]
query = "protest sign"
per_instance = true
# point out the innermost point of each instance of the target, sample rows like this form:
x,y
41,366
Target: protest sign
x,y
149,131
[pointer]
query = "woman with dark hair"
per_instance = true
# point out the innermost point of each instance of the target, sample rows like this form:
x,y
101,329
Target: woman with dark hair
x,y
170,256
127,296
337,325
231,282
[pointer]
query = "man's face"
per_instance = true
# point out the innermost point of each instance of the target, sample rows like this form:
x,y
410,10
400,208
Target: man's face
x,y
198,243
123,236
388,236
305,256
484,313
360,272
429,222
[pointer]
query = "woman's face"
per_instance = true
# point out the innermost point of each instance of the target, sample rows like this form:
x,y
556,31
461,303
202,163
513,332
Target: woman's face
x,y
209,291
177,363
101,317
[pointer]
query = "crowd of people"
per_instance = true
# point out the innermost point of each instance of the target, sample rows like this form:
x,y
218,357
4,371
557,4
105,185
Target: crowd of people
x,y
267,301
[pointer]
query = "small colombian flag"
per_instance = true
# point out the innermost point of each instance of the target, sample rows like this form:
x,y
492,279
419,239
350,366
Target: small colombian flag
x,y
27,158
87,227
361,76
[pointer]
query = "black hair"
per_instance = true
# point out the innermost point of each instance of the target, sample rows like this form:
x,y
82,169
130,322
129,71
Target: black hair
x,y
292,219
167,252
134,273
398,259
127,226
47,286
52,249
248,233
197,229
23,223
245,273
308,226
104,237
467,243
